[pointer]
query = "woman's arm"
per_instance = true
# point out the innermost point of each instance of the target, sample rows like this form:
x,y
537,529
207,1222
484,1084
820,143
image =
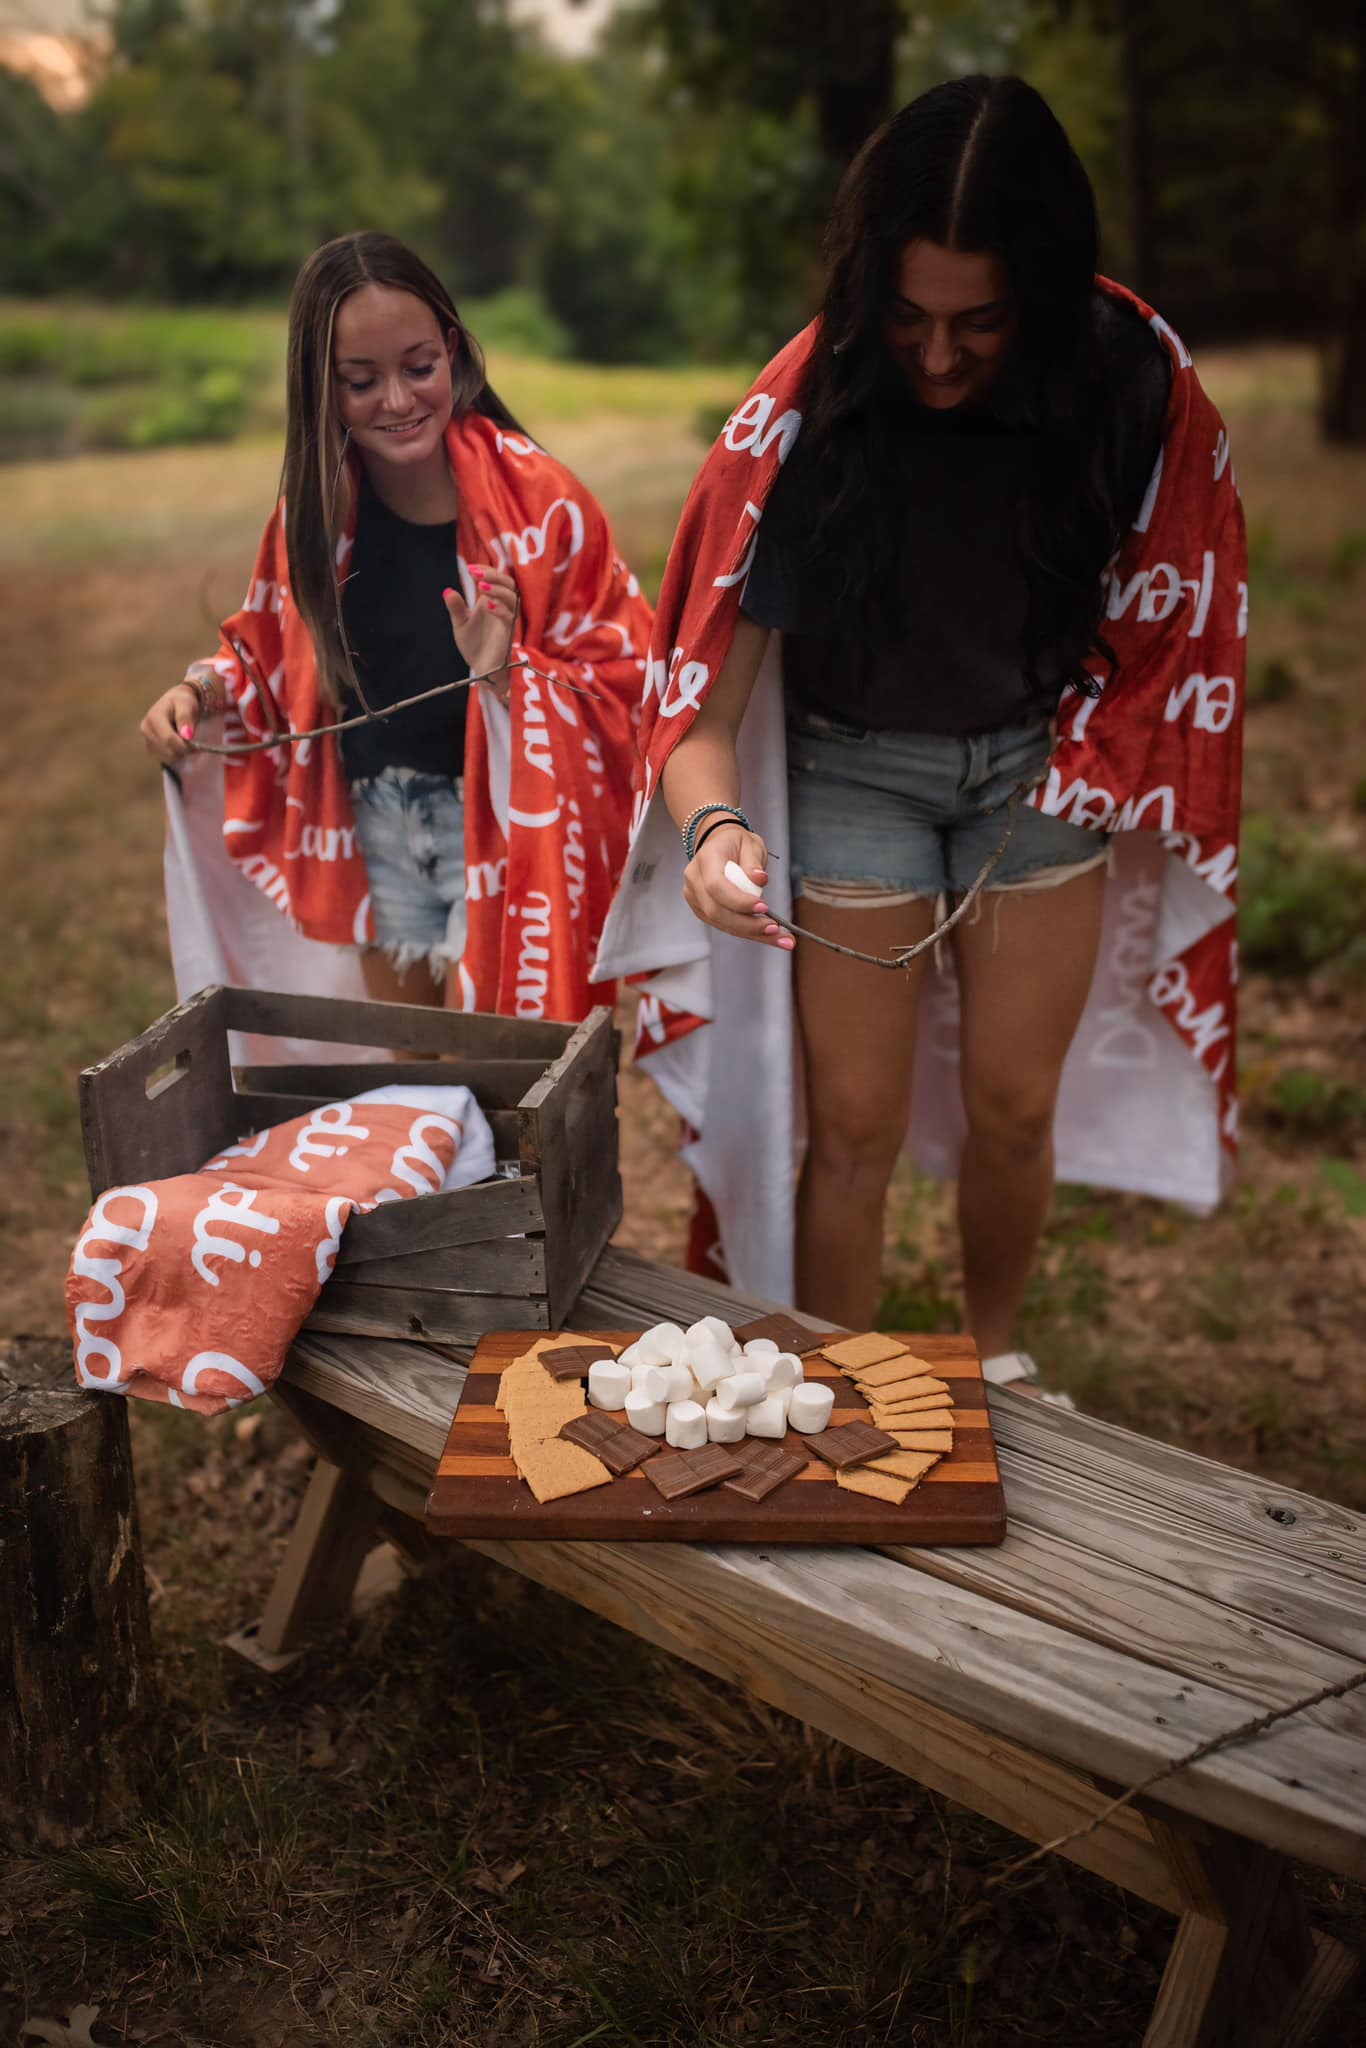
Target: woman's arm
x,y
703,769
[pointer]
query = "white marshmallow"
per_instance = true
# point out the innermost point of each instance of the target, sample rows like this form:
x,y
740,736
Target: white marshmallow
x,y
713,1327
724,1425
761,1347
656,1346
609,1382
769,1416
741,1390
650,1380
685,1425
809,1407
733,872
710,1365
648,1416
681,1386
783,1371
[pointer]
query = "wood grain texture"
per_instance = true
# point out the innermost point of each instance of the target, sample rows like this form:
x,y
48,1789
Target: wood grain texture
x,y
498,1084
393,1027
477,1491
163,1103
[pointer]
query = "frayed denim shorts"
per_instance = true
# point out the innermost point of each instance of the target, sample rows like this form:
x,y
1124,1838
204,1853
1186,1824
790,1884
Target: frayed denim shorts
x,y
905,814
411,831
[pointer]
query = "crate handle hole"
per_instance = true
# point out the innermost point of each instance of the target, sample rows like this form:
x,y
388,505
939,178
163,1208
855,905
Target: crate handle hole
x,y
166,1075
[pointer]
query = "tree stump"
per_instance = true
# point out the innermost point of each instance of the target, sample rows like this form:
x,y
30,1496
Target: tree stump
x,y
74,1637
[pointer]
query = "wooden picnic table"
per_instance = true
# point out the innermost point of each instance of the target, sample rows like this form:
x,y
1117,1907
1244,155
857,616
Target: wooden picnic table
x,y
1144,1600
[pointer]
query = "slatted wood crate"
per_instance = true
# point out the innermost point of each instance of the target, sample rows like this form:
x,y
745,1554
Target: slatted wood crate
x,y
514,1250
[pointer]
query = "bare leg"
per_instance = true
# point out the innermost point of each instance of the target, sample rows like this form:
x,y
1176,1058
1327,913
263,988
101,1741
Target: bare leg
x,y
1024,970
384,983
858,1035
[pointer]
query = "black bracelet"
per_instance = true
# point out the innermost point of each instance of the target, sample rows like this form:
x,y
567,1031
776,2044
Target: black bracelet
x,y
729,812
715,826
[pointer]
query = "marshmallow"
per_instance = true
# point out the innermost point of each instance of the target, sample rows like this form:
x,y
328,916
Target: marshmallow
x,y
713,1327
685,1425
650,1380
733,872
783,1371
724,1425
656,1346
647,1416
680,1383
741,1390
769,1416
710,1365
809,1407
609,1382
761,1347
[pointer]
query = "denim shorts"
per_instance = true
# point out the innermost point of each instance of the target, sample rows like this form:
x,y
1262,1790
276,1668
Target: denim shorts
x,y
913,814
411,831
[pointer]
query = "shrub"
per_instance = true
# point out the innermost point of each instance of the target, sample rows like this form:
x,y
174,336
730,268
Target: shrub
x,y
1300,905
1304,1104
520,323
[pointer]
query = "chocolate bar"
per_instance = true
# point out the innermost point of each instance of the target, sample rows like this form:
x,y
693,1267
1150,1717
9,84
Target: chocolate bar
x,y
853,1443
620,1447
767,1467
679,1473
786,1334
571,1361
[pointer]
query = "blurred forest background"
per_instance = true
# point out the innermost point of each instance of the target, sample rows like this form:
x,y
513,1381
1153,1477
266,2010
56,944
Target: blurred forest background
x,y
483,1819
657,195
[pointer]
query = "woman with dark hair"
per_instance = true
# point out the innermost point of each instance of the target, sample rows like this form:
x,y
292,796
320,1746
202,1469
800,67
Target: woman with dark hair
x,y
421,541
926,518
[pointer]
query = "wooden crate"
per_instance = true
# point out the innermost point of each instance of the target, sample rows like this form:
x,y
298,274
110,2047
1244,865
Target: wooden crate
x,y
448,1267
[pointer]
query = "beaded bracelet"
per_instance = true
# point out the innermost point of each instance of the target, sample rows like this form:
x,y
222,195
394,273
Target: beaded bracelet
x,y
716,825
704,810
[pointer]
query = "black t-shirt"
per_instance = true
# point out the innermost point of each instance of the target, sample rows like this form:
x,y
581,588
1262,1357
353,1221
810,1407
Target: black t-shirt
x,y
401,640
956,666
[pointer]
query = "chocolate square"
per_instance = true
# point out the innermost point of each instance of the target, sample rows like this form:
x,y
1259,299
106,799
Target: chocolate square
x,y
788,1335
620,1447
679,1473
571,1361
851,1443
768,1465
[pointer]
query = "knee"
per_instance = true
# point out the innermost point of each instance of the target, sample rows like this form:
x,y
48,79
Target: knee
x,y
854,1138
1013,1120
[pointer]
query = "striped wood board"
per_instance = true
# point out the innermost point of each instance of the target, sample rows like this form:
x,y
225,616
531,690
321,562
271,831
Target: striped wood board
x,y
477,1491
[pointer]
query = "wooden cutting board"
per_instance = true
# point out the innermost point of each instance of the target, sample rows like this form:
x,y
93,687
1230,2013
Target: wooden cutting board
x,y
477,1491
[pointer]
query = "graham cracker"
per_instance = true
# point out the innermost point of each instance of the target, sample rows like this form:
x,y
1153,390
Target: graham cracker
x,y
887,1371
861,1351
880,1485
556,1469
537,1408
923,1404
896,1383
909,1467
938,1440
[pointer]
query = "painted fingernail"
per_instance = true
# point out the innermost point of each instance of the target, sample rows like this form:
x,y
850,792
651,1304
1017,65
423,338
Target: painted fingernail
x,y
770,931
448,595
787,942
187,732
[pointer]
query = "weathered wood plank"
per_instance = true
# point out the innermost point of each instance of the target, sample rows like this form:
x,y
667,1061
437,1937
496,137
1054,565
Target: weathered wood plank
x,y
569,1138
497,1084
349,1310
163,1103
1299,1790
396,1027
504,1265
408,1391
493,1208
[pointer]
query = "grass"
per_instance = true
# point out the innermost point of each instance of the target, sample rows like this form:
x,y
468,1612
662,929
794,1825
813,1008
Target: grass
x,y
482,1818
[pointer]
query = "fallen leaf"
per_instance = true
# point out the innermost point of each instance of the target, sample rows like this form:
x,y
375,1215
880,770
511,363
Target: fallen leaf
x,y
75,2034
510,1873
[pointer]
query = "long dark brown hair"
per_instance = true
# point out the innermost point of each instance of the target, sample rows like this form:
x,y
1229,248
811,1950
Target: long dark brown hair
x,y
980,165
316,482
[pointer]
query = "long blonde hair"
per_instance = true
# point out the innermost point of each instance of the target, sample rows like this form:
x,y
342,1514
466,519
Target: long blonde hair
x,y
316,483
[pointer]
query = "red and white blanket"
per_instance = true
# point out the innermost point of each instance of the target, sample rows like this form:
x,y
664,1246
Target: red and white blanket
x,y
1148,1099
265,884
191,1290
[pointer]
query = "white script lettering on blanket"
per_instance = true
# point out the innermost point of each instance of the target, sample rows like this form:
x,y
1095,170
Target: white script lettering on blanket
x,y
106,1273
227,1207
334,1117
415,1163
1158,591
752,428
533,953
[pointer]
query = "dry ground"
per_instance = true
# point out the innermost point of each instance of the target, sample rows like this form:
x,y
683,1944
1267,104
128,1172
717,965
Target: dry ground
x,y
484,1818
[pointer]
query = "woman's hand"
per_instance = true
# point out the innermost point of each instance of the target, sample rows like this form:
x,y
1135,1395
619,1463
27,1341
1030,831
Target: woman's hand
x,y
169,725
725,904
483,630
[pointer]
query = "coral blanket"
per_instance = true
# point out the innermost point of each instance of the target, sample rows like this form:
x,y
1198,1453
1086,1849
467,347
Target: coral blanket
x,y
1148,1099
191,1290
547,789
